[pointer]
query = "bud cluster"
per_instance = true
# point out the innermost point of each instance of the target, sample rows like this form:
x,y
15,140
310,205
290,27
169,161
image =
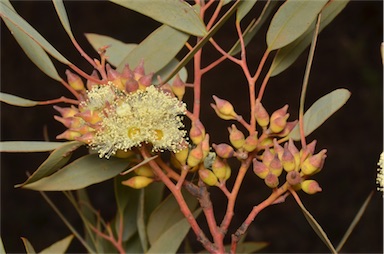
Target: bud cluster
x,y
298,165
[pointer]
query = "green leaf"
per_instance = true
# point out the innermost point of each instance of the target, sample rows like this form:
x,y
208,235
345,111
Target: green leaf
x,y
59,246
170,240
23,27
166,70
254,27
116,51
320,111
55,161
287,55
354,222
244,8
85,171
28,146
33,50
127,203
141,221
167,214
291,20
157,50
175,13
62,13
2,250
28,246
317,228
17,101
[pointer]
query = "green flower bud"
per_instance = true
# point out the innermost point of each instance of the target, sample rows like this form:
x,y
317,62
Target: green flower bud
x,y
207,176
295,152
182,155
69,135
223,150
219,168
288,160
138,182
261,114
197,132
260,169
272,181
144,170
236,137
310,187
275,166
314,163
267,157
66,112
75,81
278,119
251,142
195,156
224,109
278,148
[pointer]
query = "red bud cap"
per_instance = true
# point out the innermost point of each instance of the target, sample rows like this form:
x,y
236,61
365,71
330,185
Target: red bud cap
x,y
293,178
196,133
267,157
208,176
75,81
127,72
278,148
140,69
66,112
251,142
223,150
275,166
131,85
146,80
223,108
261,114
272,181
91,83
288,160
260,169
111,73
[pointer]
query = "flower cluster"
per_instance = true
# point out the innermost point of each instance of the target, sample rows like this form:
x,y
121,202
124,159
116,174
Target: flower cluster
x,y
114,117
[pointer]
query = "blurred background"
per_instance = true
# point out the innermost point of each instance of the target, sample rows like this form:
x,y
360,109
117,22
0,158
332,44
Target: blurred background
x,y
347,56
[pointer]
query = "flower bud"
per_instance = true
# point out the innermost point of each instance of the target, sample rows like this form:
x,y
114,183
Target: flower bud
x,y
89,116
207,176
124,154
293,178
260,169
139,70
69,135
288,128
131,85
308,150
223,109
278,119
271,180
86,138
178,87
314,163
66,112
219,168
267,157
266,142
166,88
195,156
91,83
223,150
205,145
197,133
127,73
278,148
182,155
295,152
138,182
236,137
144,170
288,160
146,80
75,81
261,114
251,142
275,166
310,187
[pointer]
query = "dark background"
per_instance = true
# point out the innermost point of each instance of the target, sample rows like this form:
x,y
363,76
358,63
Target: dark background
x,y
348,56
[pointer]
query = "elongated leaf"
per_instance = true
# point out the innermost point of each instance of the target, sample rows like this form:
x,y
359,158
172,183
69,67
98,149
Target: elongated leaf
x,y
24,27
62,13
28,246
254,27
59,246
56,160
320,111
28,146
244,8
171,239
141,221
177,14
287,55
317,228
116,51
157,50
85,171
37,55
2,250
127,203
354,222
291,20
17,101
166,215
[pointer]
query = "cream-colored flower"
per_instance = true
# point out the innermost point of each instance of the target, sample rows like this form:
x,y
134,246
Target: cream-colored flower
x,y
380,173
128,120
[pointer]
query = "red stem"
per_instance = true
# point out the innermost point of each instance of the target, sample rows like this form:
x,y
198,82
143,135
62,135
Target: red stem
x,y
61,99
